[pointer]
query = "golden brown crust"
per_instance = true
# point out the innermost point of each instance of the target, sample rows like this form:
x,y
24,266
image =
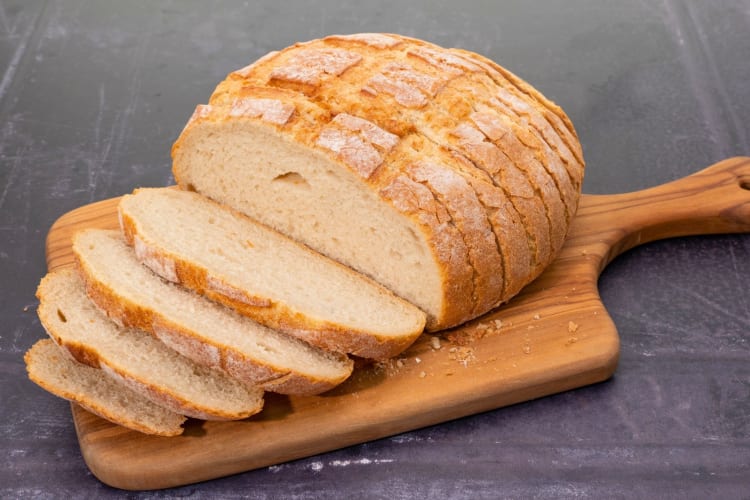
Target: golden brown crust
x,y
192,344
541,116
470,218
415,199
552,113
521,158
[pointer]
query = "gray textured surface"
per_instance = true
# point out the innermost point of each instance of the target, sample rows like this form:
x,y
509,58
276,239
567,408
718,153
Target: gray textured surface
x,y
93,93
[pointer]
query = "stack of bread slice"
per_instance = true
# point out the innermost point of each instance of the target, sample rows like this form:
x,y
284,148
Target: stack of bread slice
x,y
205,310
334,200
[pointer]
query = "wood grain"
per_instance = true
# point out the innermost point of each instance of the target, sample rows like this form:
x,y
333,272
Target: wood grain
x,y
554,336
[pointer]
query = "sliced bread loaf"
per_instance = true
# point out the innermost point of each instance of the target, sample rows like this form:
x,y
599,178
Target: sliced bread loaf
x,y
209,333
406,161
224,255
137,359
57,373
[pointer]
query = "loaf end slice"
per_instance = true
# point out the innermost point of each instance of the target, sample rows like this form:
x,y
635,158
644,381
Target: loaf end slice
x,y
230,258
54,371
198,328
136,359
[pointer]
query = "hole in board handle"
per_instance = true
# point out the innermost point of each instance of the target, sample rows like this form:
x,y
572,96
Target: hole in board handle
x,y
745,182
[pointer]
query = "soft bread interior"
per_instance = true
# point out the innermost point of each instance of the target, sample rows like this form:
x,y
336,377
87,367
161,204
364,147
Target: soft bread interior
x,y
71,318
106,256
57,373
250,257
306,196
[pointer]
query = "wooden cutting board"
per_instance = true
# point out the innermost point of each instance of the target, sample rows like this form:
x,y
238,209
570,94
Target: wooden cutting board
x,y
554,336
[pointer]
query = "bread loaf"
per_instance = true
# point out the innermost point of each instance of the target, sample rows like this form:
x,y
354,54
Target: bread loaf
x,y
202,330
224,255
136,359
59,374
434,171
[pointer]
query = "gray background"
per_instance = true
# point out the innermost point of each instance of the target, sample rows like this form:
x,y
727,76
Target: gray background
x,y
93,93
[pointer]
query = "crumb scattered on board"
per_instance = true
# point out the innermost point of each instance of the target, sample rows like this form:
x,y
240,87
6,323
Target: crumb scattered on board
x,y
572,328
460,349
435,343
467,336
463,354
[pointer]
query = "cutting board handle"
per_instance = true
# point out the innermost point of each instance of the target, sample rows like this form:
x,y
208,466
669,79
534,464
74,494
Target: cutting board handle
x,y
714,200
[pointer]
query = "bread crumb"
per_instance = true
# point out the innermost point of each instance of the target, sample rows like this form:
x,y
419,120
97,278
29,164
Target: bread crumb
x,y
572,327
527,349
571,340
25,308
435,343
466,336
400,363
537,316
417,360
498,323
422,374
463,355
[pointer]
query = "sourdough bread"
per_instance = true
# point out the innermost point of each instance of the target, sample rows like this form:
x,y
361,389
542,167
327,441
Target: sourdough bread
x,y
434,171
224,255
137,359
57,373
198,328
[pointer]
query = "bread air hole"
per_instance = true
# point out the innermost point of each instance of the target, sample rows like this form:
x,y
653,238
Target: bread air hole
x,y
293,178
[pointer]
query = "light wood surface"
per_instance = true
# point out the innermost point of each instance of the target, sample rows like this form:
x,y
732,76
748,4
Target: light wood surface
x,y
554,336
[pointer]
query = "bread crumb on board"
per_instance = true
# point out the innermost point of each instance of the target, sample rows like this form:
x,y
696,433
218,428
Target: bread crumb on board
x,y
471,333
463,354
435,342
457,349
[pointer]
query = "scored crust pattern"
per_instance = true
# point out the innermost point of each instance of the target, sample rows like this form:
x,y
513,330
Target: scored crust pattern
x,y
486,166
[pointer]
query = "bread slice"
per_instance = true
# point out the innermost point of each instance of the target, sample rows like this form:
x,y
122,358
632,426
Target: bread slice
x,y
57,373
208,333
325,142
137,359
224,255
